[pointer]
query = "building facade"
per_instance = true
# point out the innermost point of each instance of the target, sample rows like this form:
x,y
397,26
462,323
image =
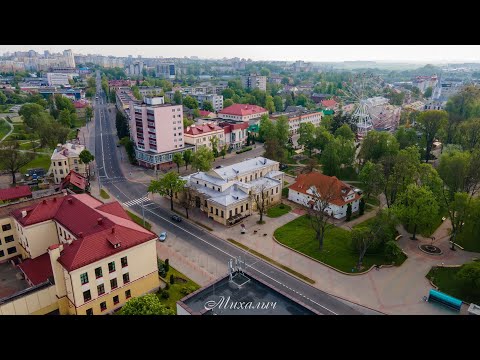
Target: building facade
x,y
66,157
216,100
227,195
255,81
202,135
309,187
57,79
299,117
242,112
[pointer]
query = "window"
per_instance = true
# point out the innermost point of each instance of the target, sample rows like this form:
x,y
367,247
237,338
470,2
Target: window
x,y
236,211
241,208
87,296
276,192
128,294
2,253
124,262
6,227
230,213
205,200
216,212
103,306
211,209
111,266
89,312
84,278
12,250
98,272
116,300
222,214
101,289
9,238
246,206
271,192
126,278
113,284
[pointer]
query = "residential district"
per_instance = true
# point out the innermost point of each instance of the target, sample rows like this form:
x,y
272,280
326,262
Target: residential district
x,y
166,186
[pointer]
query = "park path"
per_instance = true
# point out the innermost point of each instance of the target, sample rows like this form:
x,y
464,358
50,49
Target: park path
x,y
11,129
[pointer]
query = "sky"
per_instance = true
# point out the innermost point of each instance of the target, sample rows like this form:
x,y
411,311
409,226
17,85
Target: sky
x,y
320,53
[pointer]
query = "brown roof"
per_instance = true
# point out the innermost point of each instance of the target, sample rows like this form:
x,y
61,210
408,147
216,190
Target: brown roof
x,y
324,183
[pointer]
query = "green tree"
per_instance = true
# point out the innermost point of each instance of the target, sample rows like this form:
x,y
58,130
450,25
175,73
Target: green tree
x,y
318,213
64,118
392,251
362,240
428,92
345,132
266,127
29,111
91,82
112,96
330,159
406,137
3,98
469,273
188,122
223,151
264,72
214,143
227,103
301,100
178,159
86,157
322,138
278,102
361,207
11,159
269,104
416,207
187,157
190,102
460,171
285,80
458,211
372,178
376,145
469,134
282,130
227,94
208,106
177,97
88,113
307,136
148,304
196,113
63,103
203,159
430,122
168,185
136,93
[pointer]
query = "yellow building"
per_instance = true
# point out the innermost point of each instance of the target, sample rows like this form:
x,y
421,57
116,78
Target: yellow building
x,y
202,135
65,158
229,194
94,256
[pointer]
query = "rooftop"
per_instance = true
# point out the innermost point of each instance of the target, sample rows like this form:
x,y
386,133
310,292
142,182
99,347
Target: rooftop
x,y
232,171
69,149
225,296
202,129
37,270
243,110
16,192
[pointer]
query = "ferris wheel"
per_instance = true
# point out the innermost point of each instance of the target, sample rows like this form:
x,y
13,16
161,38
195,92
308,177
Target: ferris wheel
x,y
359,91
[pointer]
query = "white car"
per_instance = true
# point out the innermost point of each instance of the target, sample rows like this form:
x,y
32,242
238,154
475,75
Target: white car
x,y
162,236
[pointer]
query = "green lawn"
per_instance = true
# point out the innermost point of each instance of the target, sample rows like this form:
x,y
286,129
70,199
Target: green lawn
x,y
278,210
4,128
40,161
104,194
80,122
337,251
16,119
348,174
447,282
139,220
175,289
469,238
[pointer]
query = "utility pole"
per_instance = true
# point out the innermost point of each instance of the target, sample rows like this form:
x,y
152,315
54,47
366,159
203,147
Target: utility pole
x,y
143,213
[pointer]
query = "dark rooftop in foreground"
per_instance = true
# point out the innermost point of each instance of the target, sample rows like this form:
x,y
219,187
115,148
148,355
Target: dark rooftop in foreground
x,y
241,296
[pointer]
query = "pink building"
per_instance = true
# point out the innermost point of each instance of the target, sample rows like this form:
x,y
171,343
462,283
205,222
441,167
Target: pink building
x,y
242,112
157,131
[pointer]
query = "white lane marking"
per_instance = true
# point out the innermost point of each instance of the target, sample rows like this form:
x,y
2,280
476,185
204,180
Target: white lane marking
x,y
226,253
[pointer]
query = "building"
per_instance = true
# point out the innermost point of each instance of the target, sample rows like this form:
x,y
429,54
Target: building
x,y
75,182
225,194
424,82
165,70
206,114
157,131
135,68
123,98
236,133
95,254
329,104
216,100
318,97
241,293
15,193
308,187
416,105
57,79
254,81
72,94
298,117
202,135
242,112
65,158
150,90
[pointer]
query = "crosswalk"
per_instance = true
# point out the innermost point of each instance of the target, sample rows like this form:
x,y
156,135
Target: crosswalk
x,y
145,200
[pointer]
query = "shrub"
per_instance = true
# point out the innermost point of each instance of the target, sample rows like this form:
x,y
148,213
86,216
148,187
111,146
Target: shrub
x,y
282,206
248,148
172,279
392,251
165,294
167,265
167,286
162,272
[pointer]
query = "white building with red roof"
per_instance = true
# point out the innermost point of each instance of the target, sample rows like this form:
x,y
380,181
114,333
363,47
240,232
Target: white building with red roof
x,y
92,253
309,187
202,135
242,112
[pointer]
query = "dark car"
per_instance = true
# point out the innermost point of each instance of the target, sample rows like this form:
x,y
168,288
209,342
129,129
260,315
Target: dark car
x,y
283,166
218,167
176,218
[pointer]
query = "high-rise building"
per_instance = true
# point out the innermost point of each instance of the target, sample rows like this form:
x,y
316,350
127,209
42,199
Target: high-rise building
x,y
254,81
69,59
165,70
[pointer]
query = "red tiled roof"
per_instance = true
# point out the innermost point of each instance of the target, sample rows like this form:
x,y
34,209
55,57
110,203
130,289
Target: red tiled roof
x,y
76,179
16,192
114,208
79,104
323,184
329,103
228,127
39,212
37,270
205,113
201,129
242,110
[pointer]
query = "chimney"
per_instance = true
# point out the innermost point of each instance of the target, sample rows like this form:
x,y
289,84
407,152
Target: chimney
x,y
24,213
54,253
80,235
44,201
100,221
113,229
70,200
54,199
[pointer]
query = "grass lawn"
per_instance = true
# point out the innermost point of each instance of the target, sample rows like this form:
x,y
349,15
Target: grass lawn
x,y
78,123
16,119
337,250
375,201
4,128
40,161
278,210
104,194
139,220
176,288
469,238
446,281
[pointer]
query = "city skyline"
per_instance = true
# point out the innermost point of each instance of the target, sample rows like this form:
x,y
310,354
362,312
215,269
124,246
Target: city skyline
x,y
311,53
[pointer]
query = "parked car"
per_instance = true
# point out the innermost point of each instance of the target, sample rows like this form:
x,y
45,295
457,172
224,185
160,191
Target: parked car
x,y
162,236
283,166
218,167
176,218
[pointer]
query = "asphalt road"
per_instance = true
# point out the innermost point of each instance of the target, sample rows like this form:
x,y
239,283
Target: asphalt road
x,y
202,241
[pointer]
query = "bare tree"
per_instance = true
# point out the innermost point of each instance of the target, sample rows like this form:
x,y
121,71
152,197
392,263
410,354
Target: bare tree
x,y
259,196
188,199
318,212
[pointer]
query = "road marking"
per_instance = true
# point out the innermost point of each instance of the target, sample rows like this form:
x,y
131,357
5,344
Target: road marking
x,y
231,256
136,201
